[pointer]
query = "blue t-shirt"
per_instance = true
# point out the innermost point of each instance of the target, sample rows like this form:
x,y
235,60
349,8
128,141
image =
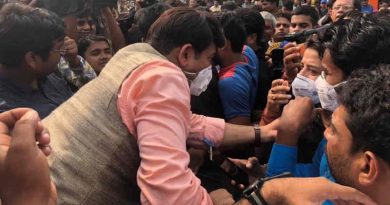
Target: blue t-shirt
x,y
284,159
238,85
367,9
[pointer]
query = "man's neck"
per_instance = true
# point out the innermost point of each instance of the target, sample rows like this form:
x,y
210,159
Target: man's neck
x,y
378,192
231,58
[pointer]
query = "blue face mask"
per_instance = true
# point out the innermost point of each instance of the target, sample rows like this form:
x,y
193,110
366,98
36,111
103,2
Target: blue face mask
x,y
305,87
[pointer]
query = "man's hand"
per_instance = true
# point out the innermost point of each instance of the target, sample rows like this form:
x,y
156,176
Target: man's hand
x,y
311,191
24,171
277,96
221,197
292,60
251,166
71,52
297,114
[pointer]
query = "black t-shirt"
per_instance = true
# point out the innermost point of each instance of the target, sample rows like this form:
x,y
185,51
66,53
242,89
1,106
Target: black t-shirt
x,y
52,92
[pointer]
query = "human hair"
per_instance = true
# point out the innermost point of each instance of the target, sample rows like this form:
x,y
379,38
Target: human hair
x,y
366,98
276,2
283,15
253,21
229,6
307,11
180,25
84,43
314,43
359,42
267,16
149,15
87,12
24,29
356,4
289,5
234,30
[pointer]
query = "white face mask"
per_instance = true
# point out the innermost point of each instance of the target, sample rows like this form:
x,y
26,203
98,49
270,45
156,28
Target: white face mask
x,y
327,94
199,81
305,87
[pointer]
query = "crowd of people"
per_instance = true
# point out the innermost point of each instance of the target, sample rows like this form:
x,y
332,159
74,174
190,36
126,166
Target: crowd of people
x,y
194,102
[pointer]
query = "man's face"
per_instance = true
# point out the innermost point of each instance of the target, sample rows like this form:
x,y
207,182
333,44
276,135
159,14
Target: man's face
x,y
86,26
339,142
339,8
267,6
47,66
300,23
364,3
311,62
333,74
193,4
269,30
200,61
98,54
282,28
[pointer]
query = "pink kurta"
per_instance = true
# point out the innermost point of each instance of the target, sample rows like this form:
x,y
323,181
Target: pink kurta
x,y
154,103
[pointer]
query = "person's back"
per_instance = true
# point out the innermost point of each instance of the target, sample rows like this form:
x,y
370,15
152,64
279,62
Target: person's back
x,y
111,151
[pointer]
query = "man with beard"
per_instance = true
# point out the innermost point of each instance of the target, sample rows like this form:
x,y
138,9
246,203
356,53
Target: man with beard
x,y
358,134
341,57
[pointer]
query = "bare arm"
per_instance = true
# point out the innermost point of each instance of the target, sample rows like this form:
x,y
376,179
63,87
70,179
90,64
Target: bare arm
x,y
118,40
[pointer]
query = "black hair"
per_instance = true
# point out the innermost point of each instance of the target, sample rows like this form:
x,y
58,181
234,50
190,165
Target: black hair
x,y
307,11
366,98
84,43
289,5
253,21
234,30
356,4
229,6
24,29
314,43
148,16
179,26
283,15
359,42
273,2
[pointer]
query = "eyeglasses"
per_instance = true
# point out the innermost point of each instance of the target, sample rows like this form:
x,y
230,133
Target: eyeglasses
x,y
343,7
62,51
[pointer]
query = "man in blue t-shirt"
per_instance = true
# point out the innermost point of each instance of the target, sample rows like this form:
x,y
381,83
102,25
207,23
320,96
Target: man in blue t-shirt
x,y
239,68
366,7
339,60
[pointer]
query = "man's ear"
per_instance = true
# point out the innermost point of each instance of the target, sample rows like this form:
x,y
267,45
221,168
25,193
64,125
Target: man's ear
x,y
251,39
368,169
32,60
186,53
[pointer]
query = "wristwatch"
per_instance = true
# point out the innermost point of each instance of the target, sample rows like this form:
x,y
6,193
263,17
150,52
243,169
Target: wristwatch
x,y
252,192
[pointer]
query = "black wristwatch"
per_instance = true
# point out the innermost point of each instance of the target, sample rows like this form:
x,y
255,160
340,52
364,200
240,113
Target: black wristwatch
x,y
252,192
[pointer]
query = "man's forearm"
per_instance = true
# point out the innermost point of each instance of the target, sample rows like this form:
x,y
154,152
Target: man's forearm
x,y
243,135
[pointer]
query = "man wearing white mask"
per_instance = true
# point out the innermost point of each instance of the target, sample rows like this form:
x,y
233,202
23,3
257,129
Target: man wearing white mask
x,y
122,139
350,45
304,84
